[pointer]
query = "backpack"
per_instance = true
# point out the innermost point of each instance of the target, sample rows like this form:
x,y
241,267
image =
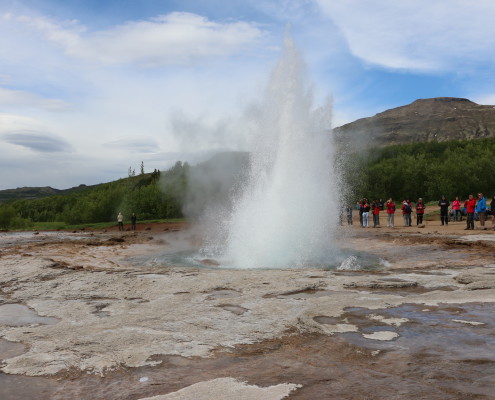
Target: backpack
x,y
407,208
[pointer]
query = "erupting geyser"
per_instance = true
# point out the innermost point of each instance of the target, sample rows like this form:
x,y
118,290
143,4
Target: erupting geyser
x,y
287,210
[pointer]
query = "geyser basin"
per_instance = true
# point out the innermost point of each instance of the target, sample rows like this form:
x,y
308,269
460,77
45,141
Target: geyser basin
x,y
342,260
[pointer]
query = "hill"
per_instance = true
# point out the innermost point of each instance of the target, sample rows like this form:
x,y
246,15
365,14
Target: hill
x,y
438,119
30,193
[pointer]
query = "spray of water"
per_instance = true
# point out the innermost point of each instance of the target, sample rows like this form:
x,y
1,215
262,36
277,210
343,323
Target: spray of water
x,y
286,212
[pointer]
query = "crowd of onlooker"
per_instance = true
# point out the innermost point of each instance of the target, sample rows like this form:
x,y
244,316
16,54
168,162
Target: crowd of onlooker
x,y
472,209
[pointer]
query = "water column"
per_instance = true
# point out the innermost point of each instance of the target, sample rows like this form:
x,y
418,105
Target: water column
x,y
286,212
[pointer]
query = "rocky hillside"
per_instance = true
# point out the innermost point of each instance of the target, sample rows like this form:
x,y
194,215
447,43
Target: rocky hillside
x,y
29,193
438,119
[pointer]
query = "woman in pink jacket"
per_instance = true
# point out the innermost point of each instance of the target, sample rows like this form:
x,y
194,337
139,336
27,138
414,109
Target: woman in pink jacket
x,y
456,208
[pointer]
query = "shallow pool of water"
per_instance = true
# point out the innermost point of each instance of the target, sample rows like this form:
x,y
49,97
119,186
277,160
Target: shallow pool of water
x,y
343,261
21,315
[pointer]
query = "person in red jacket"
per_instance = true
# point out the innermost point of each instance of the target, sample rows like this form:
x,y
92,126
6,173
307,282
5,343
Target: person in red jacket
x,y
420,211
376,213
390,205
470,205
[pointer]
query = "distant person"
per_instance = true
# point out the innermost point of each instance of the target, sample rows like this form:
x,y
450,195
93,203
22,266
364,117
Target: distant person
x,y
120,220
390,206
492,210
456,208
420,211
366,213
361,208
481,209
376,214
349,215
406,212
470,205
133,221
341,215
444,210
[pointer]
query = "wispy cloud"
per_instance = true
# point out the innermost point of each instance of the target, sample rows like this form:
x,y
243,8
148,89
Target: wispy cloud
x,y
39,142
145,144
418,35
175,38
20,98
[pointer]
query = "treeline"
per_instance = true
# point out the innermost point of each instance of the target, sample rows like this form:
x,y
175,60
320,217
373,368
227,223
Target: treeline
x,y
427,170
150,196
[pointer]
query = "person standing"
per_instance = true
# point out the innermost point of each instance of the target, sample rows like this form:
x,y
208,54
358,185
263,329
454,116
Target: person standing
x,y
456,208
366,213
481,209
470,205
444,210
133,221
376,214
420,211
361,208
492,210
120,220
406,212
390,212
349,215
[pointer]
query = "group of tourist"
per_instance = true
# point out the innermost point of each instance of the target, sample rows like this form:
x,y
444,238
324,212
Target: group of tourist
x,y
473,209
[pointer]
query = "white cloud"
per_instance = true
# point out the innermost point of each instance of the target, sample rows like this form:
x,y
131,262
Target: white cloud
x,y
421,35
146,144
174,38
19,98
486,98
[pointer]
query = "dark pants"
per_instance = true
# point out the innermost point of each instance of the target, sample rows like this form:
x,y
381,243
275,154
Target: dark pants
x,y
376,219
121,226
482,218
457,215
444,217
407,219
470,220
419,219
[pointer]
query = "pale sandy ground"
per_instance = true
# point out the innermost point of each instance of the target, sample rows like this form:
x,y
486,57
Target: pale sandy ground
x,y
121,330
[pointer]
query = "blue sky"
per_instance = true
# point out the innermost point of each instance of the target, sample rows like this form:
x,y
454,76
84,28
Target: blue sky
x,y
91,87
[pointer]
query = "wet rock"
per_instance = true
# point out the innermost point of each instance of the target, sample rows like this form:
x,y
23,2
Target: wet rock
x,y
381,284
477,278
210,262
114,239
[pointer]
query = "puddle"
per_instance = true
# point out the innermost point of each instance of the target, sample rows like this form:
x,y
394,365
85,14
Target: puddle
x,y
21,315
18,387
10,349
222,294
323,319
433,331
237,310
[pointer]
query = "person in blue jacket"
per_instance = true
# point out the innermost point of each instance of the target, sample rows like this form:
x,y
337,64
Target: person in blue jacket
x,y
481,209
